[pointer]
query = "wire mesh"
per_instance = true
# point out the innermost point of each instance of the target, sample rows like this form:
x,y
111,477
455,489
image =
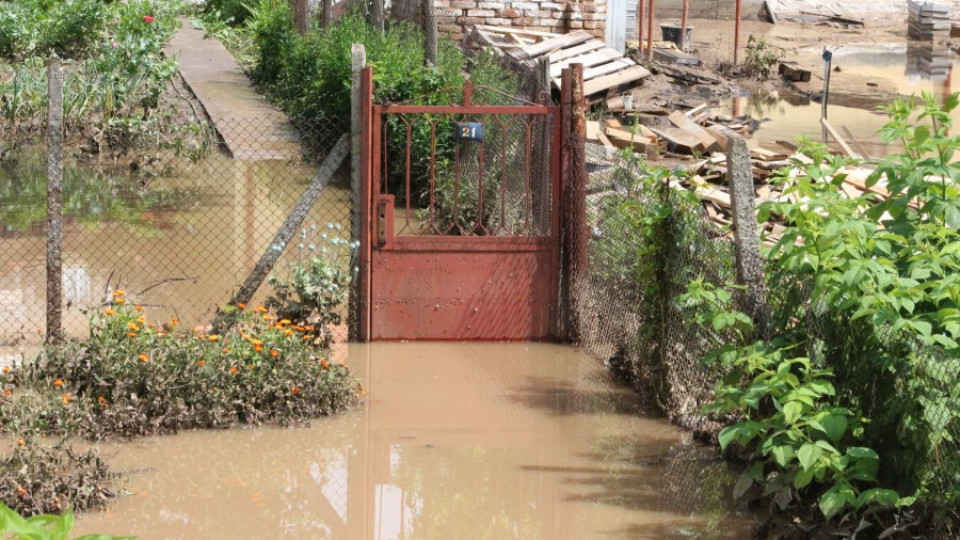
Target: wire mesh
x,y
178,229
638,267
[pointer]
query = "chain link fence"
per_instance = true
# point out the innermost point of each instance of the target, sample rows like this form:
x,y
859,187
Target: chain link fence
x,y
179,229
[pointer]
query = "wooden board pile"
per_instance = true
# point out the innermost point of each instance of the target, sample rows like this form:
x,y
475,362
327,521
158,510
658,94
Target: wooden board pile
x,y
606,71
927,20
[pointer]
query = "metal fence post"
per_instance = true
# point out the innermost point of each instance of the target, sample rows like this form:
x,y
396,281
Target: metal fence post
x,y
746,238
575,204
359,61
55,201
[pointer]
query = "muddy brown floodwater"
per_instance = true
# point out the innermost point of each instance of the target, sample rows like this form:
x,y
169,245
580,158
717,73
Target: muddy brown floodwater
x,y
472,441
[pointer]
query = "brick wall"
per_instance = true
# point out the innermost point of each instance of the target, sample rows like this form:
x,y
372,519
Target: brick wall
x,y
455,17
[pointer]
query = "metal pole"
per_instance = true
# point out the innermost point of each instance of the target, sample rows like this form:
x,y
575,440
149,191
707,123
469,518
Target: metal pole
x,y
828,60
736,34
358,60
683,26
650,32
640,13
55,201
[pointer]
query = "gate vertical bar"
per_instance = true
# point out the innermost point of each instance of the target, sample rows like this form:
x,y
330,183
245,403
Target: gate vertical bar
x,y
566,128
55,202
368,162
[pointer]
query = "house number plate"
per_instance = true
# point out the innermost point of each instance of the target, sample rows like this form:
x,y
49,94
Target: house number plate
x,y
469,131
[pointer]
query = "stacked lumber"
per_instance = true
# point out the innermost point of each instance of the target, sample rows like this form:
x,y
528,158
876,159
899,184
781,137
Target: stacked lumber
x,y
926,20
606,72
929,60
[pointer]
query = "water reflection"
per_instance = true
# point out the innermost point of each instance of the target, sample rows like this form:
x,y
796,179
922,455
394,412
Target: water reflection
x,y
469,441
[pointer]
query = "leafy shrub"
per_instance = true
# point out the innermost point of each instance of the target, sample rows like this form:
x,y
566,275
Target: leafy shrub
x,y
43,527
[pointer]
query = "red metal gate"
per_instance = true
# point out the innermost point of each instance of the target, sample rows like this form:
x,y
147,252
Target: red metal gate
x,y
461,211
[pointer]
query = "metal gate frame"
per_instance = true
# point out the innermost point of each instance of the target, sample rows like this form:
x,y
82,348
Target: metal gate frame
x,y
535,262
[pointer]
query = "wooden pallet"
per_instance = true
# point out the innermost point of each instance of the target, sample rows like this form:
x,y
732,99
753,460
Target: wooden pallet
x,y
606,72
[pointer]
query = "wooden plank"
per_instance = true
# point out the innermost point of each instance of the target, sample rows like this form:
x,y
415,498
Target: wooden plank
x,y
593,129
502,30
559,42
563,54
794,72
625,139
681,141
766,154
604,140
633,73
707,141
722,134
614,123
589,59
849,134
696,110
843,144
603,69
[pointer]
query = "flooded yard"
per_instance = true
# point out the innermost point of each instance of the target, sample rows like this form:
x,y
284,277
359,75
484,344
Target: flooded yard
x,y
454,441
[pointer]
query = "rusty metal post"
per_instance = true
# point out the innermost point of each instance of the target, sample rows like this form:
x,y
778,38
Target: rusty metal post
x,y
650,32
640,14
363,319
736,33
575,204
55,201
683,25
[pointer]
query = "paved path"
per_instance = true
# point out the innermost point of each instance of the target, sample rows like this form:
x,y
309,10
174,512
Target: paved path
x,y
252,128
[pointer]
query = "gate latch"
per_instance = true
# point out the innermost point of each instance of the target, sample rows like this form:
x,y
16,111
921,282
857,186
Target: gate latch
x,y
384,219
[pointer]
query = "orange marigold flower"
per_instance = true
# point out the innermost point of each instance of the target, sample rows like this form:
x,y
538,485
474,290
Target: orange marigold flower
x,y
21,442
274,353
252,367
144,357
258,347
324,364
213,337
21,491
7,392
58,383
141,320
120,301
138,308
260,309
256,341
66,398
132,326
226,350
103,402
119,292
110,312
6,369
288,332
162,334
241,305
268,317
234,370
309,328
307,336
174,321
131,334
284,322
295,390
201,363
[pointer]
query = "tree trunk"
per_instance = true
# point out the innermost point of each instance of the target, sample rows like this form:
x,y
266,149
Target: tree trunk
x,y
301,15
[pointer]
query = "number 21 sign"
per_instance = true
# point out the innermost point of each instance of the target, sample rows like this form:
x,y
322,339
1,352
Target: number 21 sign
x,y
469,131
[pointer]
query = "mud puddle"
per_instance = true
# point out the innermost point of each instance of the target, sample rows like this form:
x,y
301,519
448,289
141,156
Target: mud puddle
x,y
467,441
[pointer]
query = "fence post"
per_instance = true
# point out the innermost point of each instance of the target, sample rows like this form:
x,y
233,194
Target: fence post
x,y
575,204
430,33
746,238
55,201
376,15
358,61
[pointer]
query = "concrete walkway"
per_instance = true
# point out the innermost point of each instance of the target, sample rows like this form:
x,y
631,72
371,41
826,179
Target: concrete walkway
x,y
252,128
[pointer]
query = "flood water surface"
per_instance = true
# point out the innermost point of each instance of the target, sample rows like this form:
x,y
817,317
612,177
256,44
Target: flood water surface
x,y
472,441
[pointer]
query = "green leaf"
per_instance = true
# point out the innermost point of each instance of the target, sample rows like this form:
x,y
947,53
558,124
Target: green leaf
x,y
727,435
808,456
835,426
743,484
884,497
836,498
792,411
802,479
